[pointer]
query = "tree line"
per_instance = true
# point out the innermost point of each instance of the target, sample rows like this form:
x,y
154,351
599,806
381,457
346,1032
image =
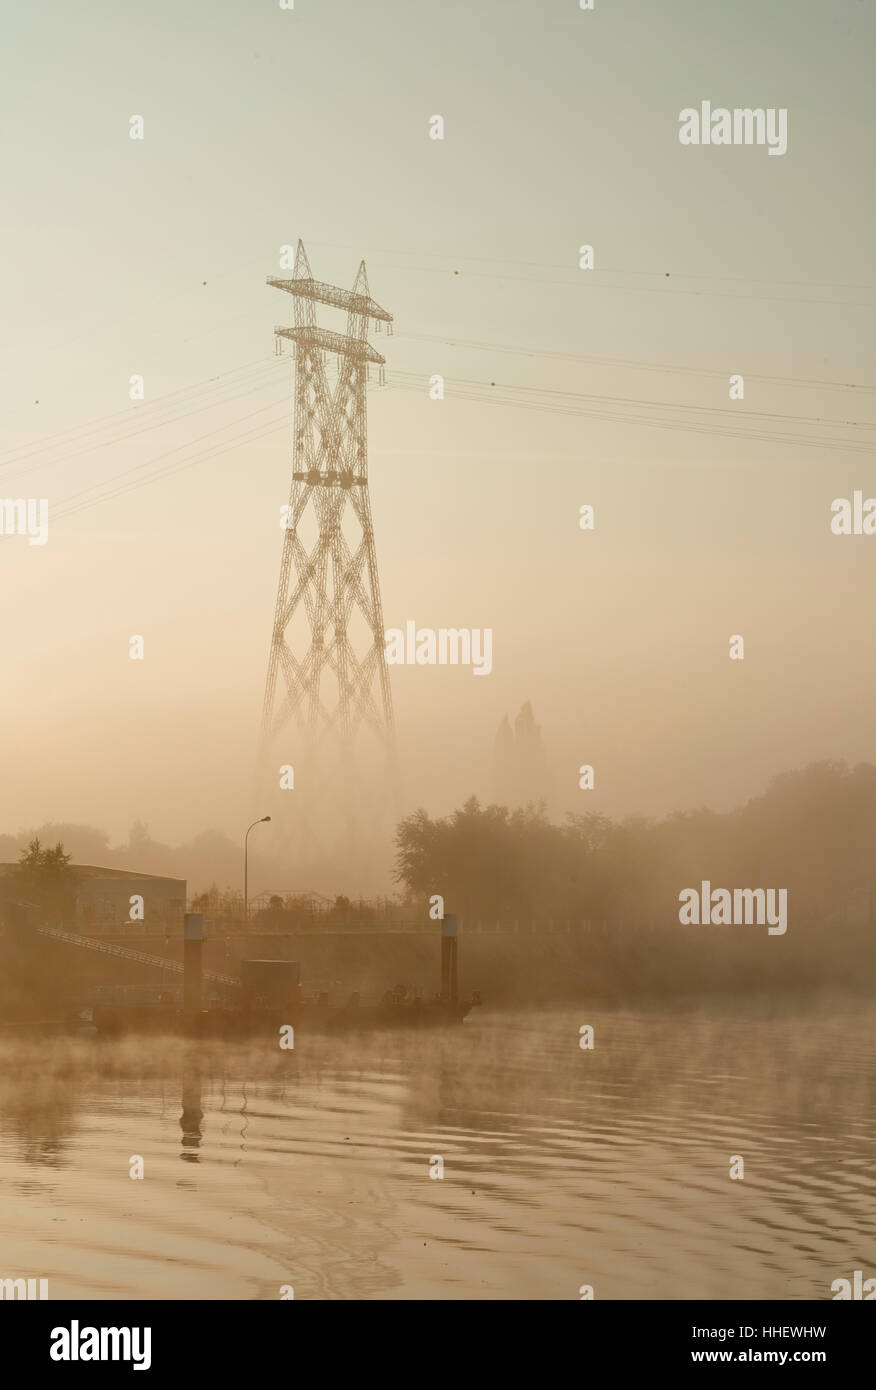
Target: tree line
x,y
813,831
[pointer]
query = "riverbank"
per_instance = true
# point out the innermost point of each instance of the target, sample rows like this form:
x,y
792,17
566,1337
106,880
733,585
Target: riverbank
x,y
611,965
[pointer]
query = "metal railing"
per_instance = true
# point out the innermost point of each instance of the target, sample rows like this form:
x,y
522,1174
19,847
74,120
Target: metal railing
x,y
91,943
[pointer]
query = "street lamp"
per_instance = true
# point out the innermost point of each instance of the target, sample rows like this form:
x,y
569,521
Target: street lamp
x,y
246,868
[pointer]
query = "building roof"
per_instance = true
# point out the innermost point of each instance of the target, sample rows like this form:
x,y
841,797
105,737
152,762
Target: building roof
x,y
96,871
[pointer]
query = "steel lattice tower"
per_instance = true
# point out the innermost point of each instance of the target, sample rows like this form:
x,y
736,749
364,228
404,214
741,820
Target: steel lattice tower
x,y
335,682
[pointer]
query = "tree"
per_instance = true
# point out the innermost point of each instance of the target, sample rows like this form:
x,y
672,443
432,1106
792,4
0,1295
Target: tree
x,y
487,861
46,877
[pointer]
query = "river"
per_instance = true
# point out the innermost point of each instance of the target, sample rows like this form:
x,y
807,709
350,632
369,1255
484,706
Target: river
x,y
310,1170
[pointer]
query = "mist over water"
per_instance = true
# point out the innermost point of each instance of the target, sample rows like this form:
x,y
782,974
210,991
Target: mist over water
x,y
562,1167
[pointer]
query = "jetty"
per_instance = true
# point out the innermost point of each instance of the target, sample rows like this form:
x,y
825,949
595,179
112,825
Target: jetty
x,y
269,998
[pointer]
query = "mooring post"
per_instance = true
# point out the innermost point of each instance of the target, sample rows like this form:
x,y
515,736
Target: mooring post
x,y
449,959
193,942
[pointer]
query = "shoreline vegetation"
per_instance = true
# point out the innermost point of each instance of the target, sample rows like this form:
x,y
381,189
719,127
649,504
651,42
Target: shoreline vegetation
x,y
582,908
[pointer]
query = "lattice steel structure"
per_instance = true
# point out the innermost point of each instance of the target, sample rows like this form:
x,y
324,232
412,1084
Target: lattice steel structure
x,y
328,686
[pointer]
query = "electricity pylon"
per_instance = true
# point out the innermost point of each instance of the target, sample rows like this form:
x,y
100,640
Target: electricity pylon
x,y
327,674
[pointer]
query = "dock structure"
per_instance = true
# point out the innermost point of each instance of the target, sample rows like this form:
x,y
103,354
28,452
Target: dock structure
x,y
267,996
450,959
193,945
126,953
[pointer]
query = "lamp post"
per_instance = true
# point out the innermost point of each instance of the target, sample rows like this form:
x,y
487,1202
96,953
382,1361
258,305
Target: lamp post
x,y
261,821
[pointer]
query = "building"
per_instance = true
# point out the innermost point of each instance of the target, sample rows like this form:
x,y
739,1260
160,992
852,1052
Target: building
x,y
103,902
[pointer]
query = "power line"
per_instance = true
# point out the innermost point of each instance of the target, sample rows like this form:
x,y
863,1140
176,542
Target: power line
x,y
66,509
579,280
530,398
562,396
257,366
624,362
79,432
612,270
518,401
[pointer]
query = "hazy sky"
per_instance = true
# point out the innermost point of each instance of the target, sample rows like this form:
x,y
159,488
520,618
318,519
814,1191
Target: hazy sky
x,y
262,126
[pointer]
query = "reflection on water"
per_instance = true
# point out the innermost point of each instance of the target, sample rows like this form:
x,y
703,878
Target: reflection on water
x,y
192,1114
562,1167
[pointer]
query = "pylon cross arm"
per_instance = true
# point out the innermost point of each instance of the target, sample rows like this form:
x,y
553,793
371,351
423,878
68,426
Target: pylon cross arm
x,y
333,295
327,341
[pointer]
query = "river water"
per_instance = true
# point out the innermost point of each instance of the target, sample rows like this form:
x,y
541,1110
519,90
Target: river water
x,y
310,1169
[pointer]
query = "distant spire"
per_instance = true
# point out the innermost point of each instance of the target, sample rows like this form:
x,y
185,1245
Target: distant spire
x,y
520,764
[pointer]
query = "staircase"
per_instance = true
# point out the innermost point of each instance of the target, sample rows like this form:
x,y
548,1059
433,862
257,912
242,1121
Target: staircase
x,y
90,943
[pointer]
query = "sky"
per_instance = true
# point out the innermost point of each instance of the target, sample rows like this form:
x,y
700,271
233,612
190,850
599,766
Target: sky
x,y
712,516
